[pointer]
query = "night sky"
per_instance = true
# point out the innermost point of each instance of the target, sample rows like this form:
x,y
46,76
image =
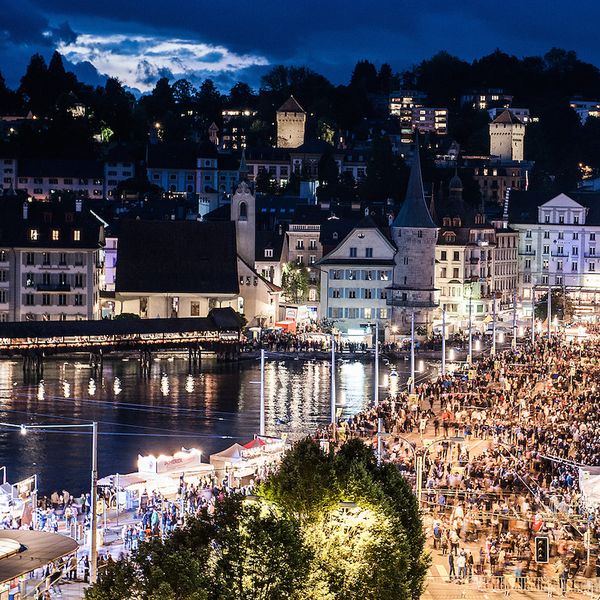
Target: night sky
x,y
230,40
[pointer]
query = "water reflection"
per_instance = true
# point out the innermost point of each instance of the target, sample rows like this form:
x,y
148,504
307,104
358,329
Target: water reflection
x,y
172,408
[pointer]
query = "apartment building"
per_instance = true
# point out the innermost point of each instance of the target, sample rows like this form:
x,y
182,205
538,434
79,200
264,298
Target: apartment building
x,y
50,261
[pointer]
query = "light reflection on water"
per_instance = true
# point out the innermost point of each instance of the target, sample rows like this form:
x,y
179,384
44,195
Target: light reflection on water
x,y
209,410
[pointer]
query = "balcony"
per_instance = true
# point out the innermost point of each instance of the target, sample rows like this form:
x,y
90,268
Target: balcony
x,y
411,303
53,287
526,252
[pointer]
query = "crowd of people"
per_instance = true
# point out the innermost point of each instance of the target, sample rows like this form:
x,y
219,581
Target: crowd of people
x,y
509,434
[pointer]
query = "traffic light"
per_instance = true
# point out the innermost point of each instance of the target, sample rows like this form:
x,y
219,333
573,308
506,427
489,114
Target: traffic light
x,y
542,549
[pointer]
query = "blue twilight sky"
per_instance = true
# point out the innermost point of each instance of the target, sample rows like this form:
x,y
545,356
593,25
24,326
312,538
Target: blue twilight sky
x,y
230,40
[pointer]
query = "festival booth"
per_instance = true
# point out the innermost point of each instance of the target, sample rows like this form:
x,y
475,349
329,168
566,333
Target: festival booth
x,y
161,474
239,464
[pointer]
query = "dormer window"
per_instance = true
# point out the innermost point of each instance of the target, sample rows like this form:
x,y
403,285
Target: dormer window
x,y
419,234
456,222
576,219
34,235
268,252
446,221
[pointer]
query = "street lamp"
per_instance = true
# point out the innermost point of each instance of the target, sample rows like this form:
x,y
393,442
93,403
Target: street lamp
x,y
23,429
470,354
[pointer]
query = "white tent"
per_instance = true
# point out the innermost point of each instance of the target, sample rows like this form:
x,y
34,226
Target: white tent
x,y
589,484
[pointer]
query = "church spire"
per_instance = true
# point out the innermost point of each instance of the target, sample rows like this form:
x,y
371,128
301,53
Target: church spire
x,y
243,168
414,211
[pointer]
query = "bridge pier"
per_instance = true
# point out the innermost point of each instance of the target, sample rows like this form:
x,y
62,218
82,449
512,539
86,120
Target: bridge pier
x,y
145,363
97,361
194,360
33,365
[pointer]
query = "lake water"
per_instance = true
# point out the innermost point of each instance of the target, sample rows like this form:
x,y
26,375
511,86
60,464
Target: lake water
x,y
208,410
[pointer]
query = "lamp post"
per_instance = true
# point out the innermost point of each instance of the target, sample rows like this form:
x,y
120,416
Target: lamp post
x,y
514,321
494,325
549,315
332,399
262,392
470,354
94,481
376,378
443,341
412,353
532,316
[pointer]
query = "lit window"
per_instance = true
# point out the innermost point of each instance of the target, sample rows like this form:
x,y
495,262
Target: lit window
x,y
55,235
34,235
76,235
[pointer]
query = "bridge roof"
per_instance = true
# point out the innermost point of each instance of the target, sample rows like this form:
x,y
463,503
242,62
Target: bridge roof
x,y
219,319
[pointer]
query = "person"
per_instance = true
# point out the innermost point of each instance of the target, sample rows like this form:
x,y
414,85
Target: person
x,y
452,572
72,565
462,565
470,562
86,569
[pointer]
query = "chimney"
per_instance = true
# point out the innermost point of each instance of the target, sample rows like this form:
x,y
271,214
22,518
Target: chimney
x,y
25,211
78,205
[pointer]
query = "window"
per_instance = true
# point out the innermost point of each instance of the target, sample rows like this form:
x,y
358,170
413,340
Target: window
x,y
592,266
352,252
3,256
367,313
312,259
68,181
575,251
592,237
384,275
369,252
299,244
335,235
546,235
419,234
545,265
351,293
352,275
78,280
455,256
30,258
46,258
455,273
46,279
443,273
443,255
79,259
46,300
335,293
544,279
312,244
528,263
592,251
268,252
559,265
576,220
53,181
574,266
62,258
76,235
383,313
575,236
34,235
3,275
55,235
528,234
78,299
243,211
29,300
559,280
561,235
337,274
367,294
546,250
561,219
62,299
546,218
300,259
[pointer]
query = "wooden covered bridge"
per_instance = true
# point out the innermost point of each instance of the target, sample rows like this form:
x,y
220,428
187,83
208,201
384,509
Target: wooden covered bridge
x,y
219,332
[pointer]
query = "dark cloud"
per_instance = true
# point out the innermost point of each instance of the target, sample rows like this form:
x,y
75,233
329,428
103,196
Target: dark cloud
x,y
329,36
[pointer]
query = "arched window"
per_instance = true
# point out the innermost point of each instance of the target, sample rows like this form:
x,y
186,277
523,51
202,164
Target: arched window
x,y
243,211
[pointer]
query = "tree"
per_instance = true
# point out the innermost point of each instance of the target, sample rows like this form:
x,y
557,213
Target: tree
x,y
240,552
327,169
562,306
294,282
33,85
241,96
361,521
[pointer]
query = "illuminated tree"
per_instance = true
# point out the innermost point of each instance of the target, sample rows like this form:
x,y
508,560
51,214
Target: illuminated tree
x,y
294,282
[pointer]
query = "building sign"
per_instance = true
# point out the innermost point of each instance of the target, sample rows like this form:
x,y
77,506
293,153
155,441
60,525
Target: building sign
x,y
180,461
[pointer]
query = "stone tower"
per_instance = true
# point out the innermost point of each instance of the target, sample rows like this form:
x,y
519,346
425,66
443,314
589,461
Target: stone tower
x,y
415,235
507,137
243,212
291,123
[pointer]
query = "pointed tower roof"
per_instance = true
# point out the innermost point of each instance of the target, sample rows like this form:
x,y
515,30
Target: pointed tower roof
x,y
243,168
414,211
506,117
291,105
